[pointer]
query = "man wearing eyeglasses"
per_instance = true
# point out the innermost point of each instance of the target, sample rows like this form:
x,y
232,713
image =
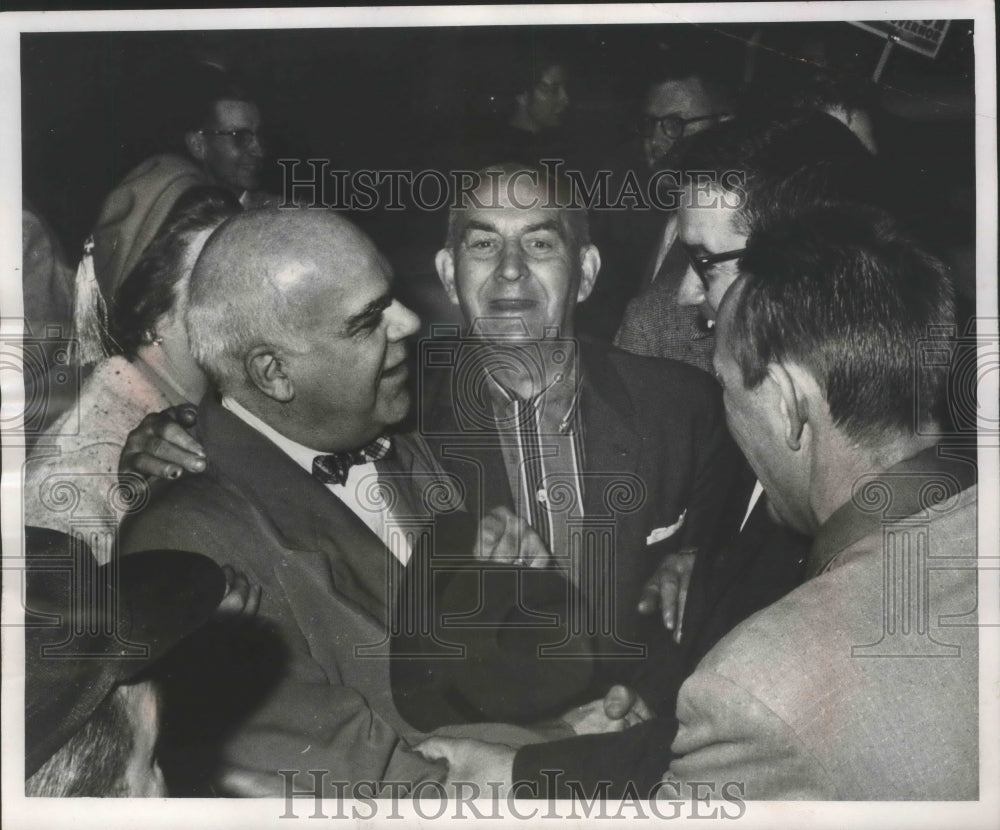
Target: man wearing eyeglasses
x,y
740,175
224,136
677,105
681,99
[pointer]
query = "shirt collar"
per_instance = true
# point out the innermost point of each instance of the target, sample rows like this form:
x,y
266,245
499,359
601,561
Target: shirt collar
x,y
301,455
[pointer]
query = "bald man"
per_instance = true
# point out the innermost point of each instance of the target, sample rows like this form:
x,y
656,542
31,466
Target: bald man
x,y
291,316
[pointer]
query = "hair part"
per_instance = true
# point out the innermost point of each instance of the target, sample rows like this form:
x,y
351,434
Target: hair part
x,y
843,292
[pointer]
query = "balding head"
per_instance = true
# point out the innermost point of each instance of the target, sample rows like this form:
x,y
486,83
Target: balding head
x,y
280,301
257,279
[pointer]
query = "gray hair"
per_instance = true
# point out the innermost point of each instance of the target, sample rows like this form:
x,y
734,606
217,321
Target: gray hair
x,y
234,302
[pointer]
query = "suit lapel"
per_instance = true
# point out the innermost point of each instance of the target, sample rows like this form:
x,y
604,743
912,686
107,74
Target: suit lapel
x,y
610,439
469,452
307,516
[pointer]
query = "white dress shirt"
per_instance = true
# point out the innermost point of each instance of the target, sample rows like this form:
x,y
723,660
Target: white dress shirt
x,y
360,493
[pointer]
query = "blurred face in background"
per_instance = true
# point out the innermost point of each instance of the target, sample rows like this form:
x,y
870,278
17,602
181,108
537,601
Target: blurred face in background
x,y
544,106
233,161
674,109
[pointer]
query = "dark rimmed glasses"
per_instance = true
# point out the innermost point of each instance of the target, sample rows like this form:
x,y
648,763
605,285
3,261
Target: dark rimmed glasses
x,y
672,126
703,263
242,138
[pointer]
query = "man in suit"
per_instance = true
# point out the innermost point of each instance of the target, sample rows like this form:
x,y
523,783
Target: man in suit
x,y
616,461
292,318
863,682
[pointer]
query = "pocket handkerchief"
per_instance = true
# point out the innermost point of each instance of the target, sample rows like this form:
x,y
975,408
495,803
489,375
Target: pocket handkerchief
x,y
661,533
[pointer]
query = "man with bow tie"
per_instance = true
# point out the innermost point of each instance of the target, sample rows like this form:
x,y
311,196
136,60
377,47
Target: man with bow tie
x,y
291,315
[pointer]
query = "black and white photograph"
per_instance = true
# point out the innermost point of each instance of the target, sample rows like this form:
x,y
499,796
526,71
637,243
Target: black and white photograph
x,y
548,414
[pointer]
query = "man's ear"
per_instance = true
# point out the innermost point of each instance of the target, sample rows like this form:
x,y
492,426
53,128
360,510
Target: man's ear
x,y
267,372
444,261
195,143
590,264
792,402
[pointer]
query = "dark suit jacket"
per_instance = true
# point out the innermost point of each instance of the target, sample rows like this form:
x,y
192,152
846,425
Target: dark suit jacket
x,y
327,581
655,445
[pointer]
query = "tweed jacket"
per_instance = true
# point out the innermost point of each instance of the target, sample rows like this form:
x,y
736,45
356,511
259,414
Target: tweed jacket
x,y
863,682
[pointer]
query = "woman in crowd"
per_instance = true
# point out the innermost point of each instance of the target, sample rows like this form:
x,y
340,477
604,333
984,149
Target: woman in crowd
x,y
71,479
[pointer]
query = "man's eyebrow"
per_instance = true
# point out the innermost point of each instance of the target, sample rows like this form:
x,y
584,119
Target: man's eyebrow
x,y
547,225
370,311
476,225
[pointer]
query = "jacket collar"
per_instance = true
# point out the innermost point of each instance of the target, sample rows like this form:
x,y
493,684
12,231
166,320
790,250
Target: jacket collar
x,y
914,488
306,515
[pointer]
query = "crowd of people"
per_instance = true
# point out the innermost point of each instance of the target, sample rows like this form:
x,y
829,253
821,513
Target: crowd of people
x,y
647,516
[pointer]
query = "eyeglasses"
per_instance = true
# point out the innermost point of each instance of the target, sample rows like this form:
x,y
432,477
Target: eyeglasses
x,y
702,264
242,138
672,126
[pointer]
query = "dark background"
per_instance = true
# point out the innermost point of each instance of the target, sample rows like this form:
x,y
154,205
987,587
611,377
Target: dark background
x,y
95,104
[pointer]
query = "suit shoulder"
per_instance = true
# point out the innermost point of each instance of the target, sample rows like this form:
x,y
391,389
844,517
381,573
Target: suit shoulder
x,y
663,377
645,366
186,513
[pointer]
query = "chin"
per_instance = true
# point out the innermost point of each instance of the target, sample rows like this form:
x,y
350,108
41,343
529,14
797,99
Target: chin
x,y
396,410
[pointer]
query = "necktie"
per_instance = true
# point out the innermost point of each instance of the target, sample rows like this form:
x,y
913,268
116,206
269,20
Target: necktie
x,y
335,467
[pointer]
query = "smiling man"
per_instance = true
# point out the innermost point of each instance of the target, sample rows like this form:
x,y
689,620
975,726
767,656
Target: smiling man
x,y
292,317
616,461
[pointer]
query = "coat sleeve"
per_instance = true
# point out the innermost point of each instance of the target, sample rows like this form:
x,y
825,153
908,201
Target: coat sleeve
x,y
728,736
248,692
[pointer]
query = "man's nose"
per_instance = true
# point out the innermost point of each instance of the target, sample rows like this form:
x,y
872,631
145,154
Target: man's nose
x,y
402,321
690,292
256,146
512,263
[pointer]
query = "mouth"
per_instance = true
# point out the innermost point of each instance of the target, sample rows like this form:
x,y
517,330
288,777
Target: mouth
x,y
396,372
511,305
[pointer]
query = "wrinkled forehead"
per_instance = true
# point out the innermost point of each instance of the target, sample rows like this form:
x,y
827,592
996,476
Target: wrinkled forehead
x,y
512,202
234,114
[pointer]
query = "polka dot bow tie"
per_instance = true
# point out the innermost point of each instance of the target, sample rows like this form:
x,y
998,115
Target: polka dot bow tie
x,y
335,467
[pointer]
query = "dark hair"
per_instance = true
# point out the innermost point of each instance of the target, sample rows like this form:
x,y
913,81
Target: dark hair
x,y
681,64
532,62
196,91
845,293
150,289
560,195
776,166
93,762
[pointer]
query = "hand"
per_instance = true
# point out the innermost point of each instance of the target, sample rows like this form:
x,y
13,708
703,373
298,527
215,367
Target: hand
x,y
160,446
667,589
241,597
473,762
619,710
503,537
